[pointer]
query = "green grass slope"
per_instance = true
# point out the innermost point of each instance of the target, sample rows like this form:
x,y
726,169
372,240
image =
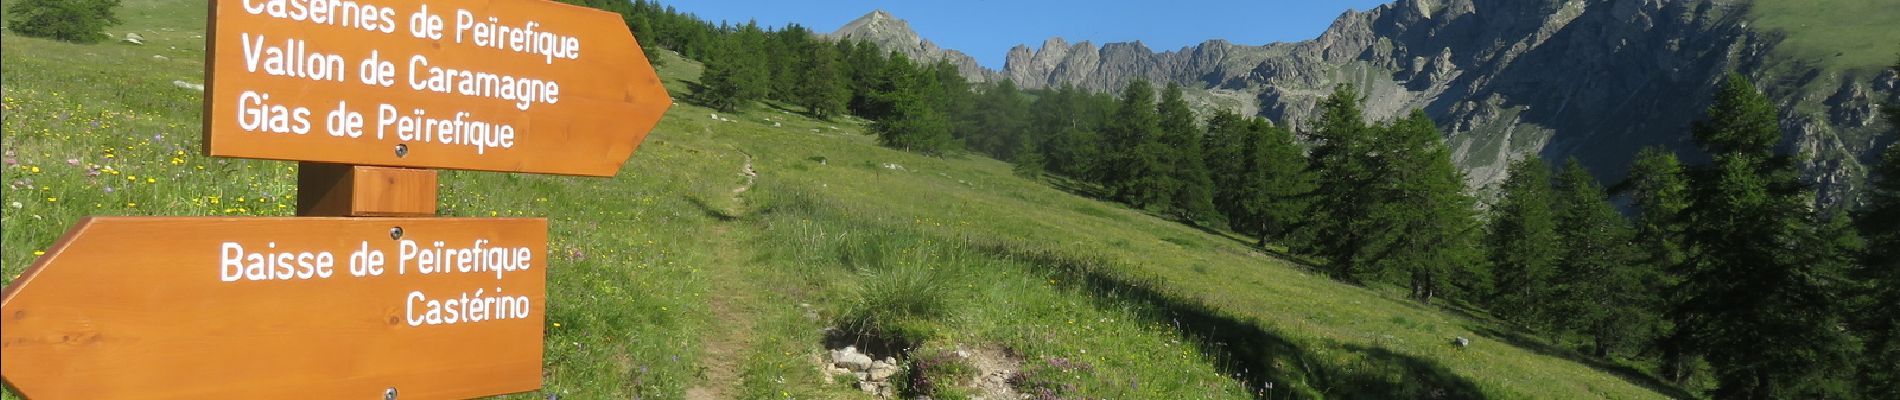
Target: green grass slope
x,y
1840,34
727,255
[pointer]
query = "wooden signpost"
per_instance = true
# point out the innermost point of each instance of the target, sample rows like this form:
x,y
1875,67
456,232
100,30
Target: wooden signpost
x,y
494,85
272,308
365,295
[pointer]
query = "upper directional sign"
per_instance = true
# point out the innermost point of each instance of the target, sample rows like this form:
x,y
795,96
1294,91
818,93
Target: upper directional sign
x,y
496,85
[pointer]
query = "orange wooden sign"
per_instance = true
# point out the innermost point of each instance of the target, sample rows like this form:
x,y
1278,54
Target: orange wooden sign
x,y
496,85
280,308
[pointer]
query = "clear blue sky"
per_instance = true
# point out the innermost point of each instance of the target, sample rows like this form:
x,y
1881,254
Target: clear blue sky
x,y
986,29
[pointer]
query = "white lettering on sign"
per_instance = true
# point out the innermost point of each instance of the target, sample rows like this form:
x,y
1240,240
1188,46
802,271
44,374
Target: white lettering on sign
x,y
236,264
421,310
520,90
523,39
346,13
417,126
293,59
439,258
305,58
239,264
257,114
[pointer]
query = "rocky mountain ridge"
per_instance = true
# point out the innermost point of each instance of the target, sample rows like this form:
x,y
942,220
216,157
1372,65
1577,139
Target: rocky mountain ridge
x,y
893,34
1592,79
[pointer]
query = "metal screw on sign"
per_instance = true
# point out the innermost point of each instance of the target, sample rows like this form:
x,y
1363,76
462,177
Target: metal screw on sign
x,y
402,150
389,394
395,234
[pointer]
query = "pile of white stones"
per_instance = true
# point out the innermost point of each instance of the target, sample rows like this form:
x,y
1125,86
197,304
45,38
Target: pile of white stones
x,y
873,376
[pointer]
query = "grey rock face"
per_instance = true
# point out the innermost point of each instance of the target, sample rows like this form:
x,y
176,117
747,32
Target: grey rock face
x,y
893,34
1592,79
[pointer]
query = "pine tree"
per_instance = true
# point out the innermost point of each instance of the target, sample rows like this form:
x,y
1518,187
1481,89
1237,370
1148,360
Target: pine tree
x,y
1603,294
78,21
898,77
1276,181
1225,143
868,68
1659,191
1135,171
1192,190
735,75
1523,245
787,54
1027,158
1073,120
754,77
719,84
1760,299
1342,204
1741,121
1878,317
642,28
1004,121
946,91
1424,228
1259,175
907,121
821,84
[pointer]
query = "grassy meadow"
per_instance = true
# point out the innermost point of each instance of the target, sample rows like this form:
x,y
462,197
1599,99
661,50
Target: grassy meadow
x,y
1841,34
684,277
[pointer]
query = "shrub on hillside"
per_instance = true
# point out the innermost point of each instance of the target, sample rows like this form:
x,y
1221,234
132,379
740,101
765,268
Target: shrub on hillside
x,y
82,21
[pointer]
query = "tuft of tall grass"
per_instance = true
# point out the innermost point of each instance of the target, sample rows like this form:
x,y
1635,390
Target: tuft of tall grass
x,y
904,303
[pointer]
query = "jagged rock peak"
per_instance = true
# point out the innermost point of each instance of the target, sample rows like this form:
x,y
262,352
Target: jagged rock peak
x,y
1592,79
877,22
887,31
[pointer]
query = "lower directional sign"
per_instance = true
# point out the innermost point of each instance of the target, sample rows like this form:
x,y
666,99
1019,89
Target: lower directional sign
x,y
267,308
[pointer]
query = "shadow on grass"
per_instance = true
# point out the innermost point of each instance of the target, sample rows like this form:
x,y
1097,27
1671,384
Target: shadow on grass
x,y
1268,364
1079,188
783,108
1630,374
1289,257
871,342
710,211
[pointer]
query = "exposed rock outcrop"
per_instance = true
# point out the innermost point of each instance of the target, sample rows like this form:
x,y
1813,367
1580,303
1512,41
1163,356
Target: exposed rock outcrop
x,y
893,34
1592,79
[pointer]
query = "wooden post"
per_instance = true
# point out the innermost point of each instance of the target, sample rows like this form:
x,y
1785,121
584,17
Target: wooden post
x,y
341,190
